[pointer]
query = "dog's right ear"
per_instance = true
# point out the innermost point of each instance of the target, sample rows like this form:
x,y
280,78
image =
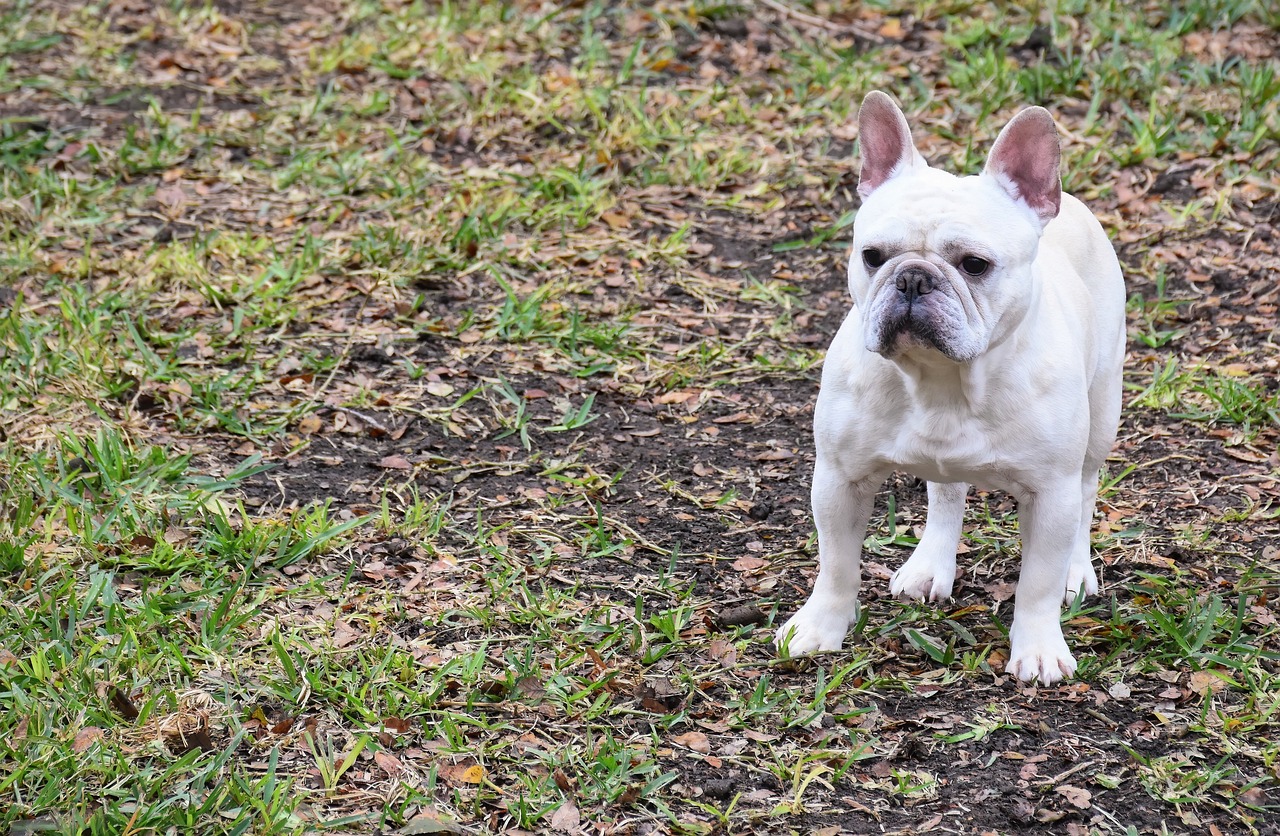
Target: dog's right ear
x,y
885,138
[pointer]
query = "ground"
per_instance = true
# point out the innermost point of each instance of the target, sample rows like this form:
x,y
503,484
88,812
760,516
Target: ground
x,y
406,422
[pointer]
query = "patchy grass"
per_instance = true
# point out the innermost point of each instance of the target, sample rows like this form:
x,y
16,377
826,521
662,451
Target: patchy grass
x,y
404,422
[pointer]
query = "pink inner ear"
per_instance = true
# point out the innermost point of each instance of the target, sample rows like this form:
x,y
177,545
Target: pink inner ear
x,y
885,141
1025,160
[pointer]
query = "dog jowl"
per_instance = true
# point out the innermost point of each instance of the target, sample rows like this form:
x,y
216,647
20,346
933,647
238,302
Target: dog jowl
x,y
984,347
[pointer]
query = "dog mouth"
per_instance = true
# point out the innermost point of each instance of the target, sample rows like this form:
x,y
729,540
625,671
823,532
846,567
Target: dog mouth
x,y
910,330
914,313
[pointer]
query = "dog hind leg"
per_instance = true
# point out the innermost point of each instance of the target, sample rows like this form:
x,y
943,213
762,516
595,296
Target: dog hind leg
x,y
930,572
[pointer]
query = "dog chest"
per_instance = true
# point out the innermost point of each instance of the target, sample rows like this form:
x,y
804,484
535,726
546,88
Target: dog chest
x,y
947,446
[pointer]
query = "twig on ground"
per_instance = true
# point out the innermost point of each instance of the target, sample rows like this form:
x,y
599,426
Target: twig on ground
x,y
822,23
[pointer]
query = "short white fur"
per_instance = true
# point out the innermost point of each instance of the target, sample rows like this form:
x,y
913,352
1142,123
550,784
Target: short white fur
x,y
1009,379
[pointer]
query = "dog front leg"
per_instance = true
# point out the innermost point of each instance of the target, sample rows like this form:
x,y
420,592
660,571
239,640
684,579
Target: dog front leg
x,y
1050,522
841,509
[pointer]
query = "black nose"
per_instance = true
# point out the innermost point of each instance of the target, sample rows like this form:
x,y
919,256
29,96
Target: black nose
x,y
913,282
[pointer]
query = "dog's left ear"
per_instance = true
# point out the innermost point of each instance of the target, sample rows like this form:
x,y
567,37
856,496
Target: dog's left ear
x,y
1025,159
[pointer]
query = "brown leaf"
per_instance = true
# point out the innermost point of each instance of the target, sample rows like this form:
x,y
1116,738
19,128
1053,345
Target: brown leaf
x,y
175,536
179,391
121,702
723,652
187,741
566,818
395,463
695,740
85,738
463,773
616,220
1077,796
396,724
735,418
1046,815
430,823
666,65
1023,810
530,687
891,29
1254,797
660,696
388,763
344,634
1120,691
1001,591
69,152
171,196
773,456
1204,681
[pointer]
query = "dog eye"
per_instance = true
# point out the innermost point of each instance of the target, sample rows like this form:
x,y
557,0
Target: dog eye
x,y
974,266
872,257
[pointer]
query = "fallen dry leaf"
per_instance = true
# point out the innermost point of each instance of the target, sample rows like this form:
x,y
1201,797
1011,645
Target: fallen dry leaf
x,y
85,738
695,740
344,635
660,696
566,818
1204,681
722,651
1076,796
388,763
426,823
463,773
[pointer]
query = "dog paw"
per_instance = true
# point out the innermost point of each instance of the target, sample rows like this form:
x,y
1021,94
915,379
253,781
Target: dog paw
x,y
924,579
814,628
1080,575
1040,653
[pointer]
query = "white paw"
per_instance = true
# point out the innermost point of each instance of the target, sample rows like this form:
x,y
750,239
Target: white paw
x,y
1040,652
1080,575
924,578
817,626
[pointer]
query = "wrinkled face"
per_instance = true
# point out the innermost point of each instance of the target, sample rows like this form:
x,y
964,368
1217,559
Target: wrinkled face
x,y
940,264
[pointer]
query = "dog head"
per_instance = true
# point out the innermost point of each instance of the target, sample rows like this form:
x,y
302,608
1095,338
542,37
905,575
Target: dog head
x,y
943,264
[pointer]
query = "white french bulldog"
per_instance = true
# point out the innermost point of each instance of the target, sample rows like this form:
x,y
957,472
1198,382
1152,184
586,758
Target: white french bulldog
x,y
985,346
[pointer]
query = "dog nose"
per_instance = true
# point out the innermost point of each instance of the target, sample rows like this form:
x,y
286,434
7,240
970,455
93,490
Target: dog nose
x,y
913,282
